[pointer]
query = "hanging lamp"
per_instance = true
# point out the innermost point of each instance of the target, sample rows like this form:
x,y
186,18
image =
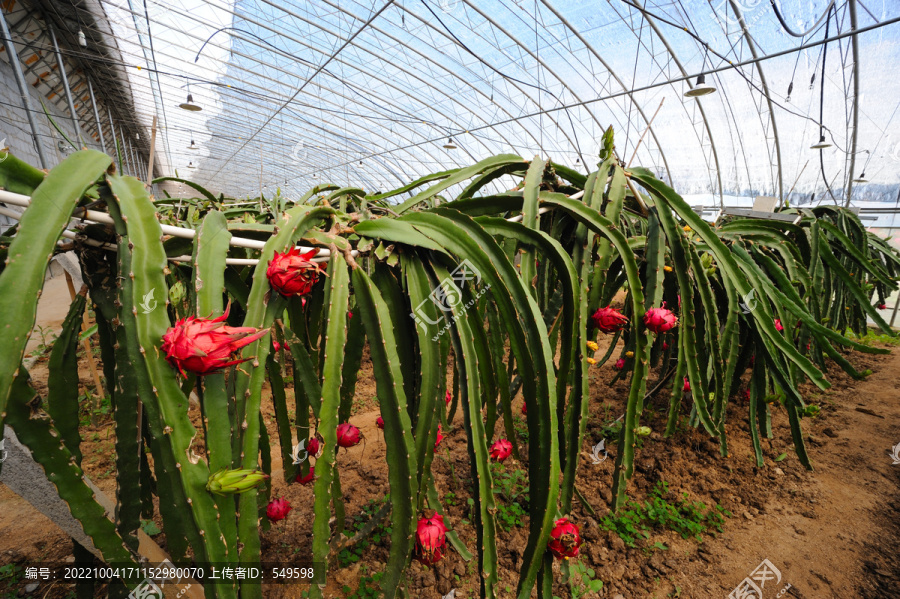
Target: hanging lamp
x,y
861,178
450,145
821,145
700,89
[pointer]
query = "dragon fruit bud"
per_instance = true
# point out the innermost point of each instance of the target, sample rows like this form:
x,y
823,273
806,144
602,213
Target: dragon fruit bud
x,y
379,422
778,325
660,320
620,364
206,345
305,480
687,385
565,539
347,435
609,320
230,482
293,273
431,538
440,437
501,450
278,509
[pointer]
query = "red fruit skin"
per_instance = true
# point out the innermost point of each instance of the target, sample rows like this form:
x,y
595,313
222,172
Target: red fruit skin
x,y
275,345
747,395
778,325
313,446
620,364
687,385
293,273
501,450
347,435
278,509
524,408
660,320
206,345
609,320
565,539
440,437
379,422
430,540
448,398
881,306
665,346
305,480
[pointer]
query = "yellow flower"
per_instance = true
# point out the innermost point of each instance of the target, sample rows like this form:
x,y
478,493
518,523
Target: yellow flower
x,y
592,346
667,268
629,354
591,361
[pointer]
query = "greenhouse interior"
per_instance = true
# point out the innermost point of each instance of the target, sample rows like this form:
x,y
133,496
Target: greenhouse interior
x,y
630,333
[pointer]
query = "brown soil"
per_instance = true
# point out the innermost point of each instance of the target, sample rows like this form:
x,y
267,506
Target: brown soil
x,y
833,532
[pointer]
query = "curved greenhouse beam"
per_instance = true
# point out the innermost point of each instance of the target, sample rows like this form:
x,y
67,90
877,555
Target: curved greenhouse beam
x,y
684,73
321,167
855,47
615,76
765,87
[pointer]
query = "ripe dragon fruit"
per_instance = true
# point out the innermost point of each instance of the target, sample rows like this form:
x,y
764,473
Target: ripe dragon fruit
x,y
620,364
293,273
609,320
565,539
206,345
379,422
778,325
660,320
347,435
440,437
310,477
431,539
278,509
687,385
314,447
448,398
501,450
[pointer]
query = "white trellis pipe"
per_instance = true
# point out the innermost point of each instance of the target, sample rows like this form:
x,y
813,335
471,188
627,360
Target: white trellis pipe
x,y
17,199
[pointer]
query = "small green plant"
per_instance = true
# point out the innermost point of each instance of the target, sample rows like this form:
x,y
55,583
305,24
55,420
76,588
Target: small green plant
x,y
511,485
872,338
582,580
635,521
364,591
46,344
150,527
11,574
351,555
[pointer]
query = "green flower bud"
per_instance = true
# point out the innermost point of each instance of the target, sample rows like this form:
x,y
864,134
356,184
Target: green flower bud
x,y
228,482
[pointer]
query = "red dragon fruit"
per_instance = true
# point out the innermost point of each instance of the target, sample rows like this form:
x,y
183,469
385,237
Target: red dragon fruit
x,y
440,437
310,477
431,538
314,447
293,273
501,450
448,398
379,422
620,364
660,320
278,509
778,325
687,385
347,435
206,345
565,539
609,320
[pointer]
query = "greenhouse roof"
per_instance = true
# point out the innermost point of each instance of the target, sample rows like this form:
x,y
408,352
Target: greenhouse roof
x,y
376,94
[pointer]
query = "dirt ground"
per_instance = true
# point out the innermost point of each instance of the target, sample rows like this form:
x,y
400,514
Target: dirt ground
x,y
830,533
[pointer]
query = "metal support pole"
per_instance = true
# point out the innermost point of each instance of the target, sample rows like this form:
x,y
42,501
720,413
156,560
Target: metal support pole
x,y
65,83
134,166
117,158
96,115
23,87
125,158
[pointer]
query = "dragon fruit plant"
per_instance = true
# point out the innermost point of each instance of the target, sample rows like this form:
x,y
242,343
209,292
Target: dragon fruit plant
x,y
339,271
